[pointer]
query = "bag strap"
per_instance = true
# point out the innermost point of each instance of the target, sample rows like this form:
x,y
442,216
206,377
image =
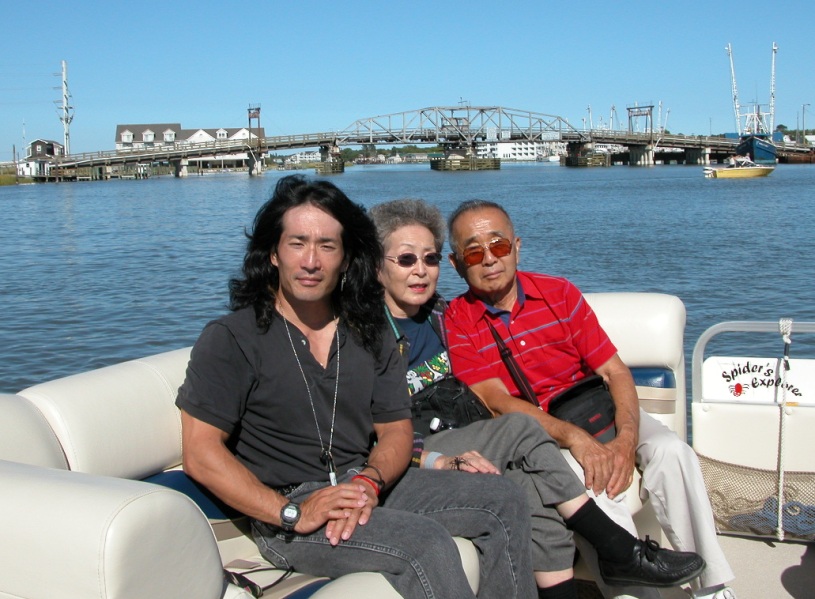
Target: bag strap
x,y
519,378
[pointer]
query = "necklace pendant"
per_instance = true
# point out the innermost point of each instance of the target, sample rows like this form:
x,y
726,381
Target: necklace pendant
x,y
328,459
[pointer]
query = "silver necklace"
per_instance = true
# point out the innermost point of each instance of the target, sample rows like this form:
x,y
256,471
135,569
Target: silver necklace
x,y
325,453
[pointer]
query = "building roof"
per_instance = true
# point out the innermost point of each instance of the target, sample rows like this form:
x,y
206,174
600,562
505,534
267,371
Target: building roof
x,y
138,129
154,127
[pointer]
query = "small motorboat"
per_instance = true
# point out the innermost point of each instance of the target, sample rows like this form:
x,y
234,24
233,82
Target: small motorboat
x,y
740,167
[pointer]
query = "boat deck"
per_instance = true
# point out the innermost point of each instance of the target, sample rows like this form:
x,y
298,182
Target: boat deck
x,y
768,569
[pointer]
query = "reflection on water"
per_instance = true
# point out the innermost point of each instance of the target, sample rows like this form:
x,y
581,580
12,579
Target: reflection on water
x,y
98,272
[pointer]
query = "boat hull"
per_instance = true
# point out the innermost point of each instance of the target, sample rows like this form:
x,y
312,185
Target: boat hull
x,y
759,148
740,172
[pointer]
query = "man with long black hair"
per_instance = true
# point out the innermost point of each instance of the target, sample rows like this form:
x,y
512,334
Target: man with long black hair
x,y
285,397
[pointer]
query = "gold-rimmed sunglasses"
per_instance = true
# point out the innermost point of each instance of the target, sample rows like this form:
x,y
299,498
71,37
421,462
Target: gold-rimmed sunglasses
x,y
498,247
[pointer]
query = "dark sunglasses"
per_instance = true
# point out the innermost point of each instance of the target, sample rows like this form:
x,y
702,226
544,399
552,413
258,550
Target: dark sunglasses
x,y
499,248
253,588
408,259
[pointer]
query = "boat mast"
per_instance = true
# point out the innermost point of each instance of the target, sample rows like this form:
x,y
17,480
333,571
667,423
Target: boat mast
x,y
735,91
772,91
67,111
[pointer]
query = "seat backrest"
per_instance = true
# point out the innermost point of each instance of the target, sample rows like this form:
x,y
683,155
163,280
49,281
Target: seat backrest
x,y
120,420
26,436
648,330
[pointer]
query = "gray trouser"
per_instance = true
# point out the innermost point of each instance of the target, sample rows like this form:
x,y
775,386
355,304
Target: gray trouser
x,y
530,457
409,538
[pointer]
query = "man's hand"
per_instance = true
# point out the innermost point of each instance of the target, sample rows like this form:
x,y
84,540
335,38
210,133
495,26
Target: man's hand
x,y
623,465
608,467
340,508
596,459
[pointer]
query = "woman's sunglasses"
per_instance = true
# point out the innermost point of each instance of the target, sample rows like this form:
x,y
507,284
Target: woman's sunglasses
x,y
499,248
408,259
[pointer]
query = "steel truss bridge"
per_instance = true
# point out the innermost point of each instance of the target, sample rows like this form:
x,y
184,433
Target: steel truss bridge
x,y
462,127
452,126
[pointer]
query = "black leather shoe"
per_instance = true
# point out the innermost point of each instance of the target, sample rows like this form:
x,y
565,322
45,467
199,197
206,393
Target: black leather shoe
x,y
653,566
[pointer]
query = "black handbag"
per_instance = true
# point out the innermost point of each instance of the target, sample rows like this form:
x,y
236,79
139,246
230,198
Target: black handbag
x,y
587,404
446,404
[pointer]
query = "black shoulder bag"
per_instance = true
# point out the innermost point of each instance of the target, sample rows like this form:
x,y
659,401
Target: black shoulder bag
x,y
447,403
587,404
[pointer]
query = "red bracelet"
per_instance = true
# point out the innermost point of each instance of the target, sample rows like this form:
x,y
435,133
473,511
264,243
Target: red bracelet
x,y
369,481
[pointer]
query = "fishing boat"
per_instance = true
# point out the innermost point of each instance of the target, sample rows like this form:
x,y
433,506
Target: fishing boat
x,y
759,147
740,167
755,126
94,502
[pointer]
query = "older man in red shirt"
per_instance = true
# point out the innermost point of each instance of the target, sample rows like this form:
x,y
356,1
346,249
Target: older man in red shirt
x,y
557,341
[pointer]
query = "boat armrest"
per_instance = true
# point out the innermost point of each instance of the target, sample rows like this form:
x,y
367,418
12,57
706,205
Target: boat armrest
x,y
68,534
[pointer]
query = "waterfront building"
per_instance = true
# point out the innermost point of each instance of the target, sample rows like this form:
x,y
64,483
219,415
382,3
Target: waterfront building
x,y
41,154
163,136
171,135
519,150
303,158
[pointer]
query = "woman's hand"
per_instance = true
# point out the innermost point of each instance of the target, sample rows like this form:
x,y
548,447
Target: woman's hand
x,y
469,461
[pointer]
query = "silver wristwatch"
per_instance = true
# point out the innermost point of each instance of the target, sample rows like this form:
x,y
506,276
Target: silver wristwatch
x,y
289,516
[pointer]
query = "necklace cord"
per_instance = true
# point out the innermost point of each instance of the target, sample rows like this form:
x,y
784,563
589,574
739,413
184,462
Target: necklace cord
x,y
325,454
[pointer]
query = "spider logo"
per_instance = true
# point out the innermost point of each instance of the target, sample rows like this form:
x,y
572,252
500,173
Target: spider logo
x,y
738,389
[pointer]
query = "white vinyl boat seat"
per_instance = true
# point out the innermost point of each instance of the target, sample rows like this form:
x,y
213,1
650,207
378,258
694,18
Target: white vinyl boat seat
x,y
85,449
118,428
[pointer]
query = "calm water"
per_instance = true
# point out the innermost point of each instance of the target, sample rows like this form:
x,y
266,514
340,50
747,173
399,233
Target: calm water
x,y
99,272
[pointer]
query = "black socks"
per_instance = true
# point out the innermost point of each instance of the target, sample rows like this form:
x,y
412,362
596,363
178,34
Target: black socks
x,y
563,590
612,541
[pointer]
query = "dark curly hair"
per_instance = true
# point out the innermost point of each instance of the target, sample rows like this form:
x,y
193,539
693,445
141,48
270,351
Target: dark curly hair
x,y
360,303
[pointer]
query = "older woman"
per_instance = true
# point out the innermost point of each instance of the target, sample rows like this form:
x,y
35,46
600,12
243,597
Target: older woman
x,y
412,235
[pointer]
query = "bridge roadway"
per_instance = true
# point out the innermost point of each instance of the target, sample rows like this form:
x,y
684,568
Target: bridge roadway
x,y
456,126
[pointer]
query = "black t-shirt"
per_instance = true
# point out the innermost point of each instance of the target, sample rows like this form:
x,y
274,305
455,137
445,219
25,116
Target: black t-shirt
x,y
248,384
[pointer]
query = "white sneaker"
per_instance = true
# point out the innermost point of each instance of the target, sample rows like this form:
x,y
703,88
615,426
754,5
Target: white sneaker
x,y
717,592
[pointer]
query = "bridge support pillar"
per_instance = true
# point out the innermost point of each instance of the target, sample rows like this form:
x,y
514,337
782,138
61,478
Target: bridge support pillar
x,y
255,164
641,155
181,167
697,156
331,162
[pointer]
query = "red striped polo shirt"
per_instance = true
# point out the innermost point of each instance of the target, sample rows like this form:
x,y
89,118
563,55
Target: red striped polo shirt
x,y
553,334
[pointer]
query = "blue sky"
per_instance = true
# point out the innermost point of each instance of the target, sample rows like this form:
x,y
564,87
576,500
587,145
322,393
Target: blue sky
x,y
320,66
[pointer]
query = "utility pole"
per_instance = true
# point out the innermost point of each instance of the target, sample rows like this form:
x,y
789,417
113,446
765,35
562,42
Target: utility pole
x,y
67,110
803,122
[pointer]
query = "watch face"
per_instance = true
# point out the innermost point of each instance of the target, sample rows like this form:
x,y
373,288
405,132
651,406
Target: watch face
x,y
290,512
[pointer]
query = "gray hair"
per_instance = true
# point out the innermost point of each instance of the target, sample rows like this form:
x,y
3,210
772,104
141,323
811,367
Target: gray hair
x,y
469,206
393,215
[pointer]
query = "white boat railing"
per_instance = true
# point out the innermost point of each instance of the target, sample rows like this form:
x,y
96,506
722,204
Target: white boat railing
x,y
734,326
752,428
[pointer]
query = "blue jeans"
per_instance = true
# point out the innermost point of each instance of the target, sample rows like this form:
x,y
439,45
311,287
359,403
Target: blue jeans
x,y
409,538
